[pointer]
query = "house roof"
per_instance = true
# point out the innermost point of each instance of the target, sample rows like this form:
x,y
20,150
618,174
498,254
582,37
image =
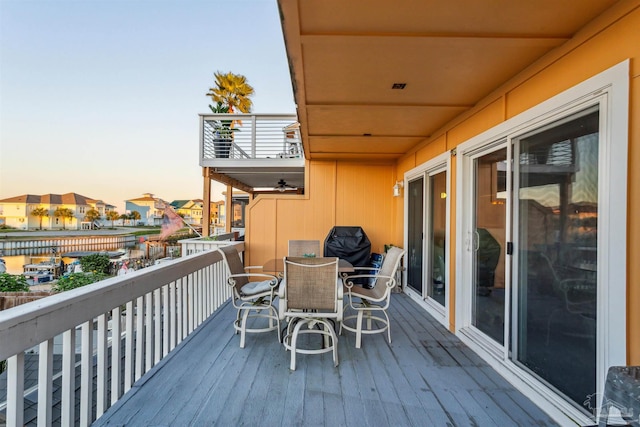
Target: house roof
x,y
52,199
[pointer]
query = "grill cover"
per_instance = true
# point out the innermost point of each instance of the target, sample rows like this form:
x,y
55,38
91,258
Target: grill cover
x,y
349,243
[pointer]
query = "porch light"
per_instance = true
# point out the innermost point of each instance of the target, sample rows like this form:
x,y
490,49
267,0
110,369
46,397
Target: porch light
x,y
396,188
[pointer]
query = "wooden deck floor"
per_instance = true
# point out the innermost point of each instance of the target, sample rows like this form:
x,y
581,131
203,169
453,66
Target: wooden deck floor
x,y
425,377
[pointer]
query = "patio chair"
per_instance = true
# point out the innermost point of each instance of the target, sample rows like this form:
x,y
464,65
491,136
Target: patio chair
x,y
367,301
302,248
253,295
310,299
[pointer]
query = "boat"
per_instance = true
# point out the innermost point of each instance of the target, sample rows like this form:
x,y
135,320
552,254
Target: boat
x,y
111,254
43,269
37,277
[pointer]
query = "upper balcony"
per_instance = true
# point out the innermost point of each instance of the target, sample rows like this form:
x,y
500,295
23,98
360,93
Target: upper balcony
x,y
252,151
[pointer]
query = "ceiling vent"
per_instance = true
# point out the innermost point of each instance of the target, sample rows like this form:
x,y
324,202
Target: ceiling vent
x,y
398,86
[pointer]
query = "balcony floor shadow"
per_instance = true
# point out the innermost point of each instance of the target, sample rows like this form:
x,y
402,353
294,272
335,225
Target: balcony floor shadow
x,y
425,377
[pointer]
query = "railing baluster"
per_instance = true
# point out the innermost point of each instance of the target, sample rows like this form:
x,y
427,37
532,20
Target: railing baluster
x,y
128,355
190,303
139,357
86,374
200,296
185,307
15,390
45,382
180,314
172,317
149,337
157,316
68,377
101,366
116,357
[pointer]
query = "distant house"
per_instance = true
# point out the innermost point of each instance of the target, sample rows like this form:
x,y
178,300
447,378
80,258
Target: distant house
x,y
149,207
190,210
18,211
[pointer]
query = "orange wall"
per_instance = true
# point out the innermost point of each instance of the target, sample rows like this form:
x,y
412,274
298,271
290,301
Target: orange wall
x,y
342,193
595,49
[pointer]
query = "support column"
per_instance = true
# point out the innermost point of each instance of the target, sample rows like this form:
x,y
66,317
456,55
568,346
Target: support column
x,y
229,209
206,203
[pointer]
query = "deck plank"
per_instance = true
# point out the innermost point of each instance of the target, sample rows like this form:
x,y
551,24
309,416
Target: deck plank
x,y
426,376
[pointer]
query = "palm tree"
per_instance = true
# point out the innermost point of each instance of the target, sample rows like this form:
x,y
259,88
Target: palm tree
x,y
40,212
232,91
92,215
124,217
64,213
135,216
112,216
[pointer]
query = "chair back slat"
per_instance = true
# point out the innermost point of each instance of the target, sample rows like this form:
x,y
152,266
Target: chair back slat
x,y
298,248
234,263
311,283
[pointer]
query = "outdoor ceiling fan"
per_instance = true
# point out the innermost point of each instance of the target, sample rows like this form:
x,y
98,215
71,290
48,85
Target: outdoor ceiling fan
x,y
282,186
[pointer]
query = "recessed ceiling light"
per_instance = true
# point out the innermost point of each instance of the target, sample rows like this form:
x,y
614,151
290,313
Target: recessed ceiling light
x,y
398,86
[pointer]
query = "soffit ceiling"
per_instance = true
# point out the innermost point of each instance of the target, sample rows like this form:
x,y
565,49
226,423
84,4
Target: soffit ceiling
x,y
346,55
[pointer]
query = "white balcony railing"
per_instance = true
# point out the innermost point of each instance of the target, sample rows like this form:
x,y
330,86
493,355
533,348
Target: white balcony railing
x,y
152,311
252,136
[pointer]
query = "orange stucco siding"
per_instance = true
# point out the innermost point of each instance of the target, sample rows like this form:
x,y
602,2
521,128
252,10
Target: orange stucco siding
x,y
633,225
338,193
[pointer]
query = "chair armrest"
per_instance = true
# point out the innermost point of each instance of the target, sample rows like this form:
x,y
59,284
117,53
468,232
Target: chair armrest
x,y
349,280
264,276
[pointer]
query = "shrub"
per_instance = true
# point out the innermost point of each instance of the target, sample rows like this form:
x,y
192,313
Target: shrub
x,y
77,280
96,263
13,283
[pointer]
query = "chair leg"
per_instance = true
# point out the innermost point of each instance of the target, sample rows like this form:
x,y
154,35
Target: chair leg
x,y
388,325
334,343
243,327
274,313
359,329
294,343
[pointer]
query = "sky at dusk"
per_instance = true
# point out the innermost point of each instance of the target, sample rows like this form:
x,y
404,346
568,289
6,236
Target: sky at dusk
x,y
102,98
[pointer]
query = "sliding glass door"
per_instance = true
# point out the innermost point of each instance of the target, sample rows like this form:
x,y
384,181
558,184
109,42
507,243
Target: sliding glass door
x,y
415,237
488,244
532,249
557,234
427,220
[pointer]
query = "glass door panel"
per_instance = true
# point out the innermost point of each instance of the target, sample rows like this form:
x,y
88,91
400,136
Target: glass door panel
x,y
557,224
488,288
416,233
437,225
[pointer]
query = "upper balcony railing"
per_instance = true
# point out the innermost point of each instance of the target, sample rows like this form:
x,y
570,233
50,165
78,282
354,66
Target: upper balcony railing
x,y
249,137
